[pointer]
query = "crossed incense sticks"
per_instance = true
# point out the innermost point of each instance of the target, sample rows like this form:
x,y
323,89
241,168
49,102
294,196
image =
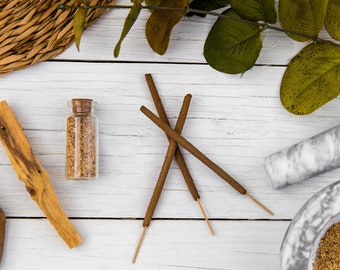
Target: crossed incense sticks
x,y
174,136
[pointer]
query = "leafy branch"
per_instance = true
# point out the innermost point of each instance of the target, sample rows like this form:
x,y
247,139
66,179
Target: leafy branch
x,y
188,10
235,40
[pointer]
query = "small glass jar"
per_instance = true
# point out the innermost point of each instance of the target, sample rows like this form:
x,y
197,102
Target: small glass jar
x,y
81,141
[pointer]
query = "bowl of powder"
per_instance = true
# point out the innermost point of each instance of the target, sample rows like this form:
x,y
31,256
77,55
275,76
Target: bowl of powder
x,y
312,240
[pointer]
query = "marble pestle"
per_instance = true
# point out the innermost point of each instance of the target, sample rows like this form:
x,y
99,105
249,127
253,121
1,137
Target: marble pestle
x,y
306,159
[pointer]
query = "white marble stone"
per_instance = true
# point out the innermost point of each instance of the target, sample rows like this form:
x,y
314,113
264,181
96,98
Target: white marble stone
x,y
305,159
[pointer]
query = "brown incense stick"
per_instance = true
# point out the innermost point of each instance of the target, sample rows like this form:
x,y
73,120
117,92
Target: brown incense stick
x,y
199,155
178,154
164,172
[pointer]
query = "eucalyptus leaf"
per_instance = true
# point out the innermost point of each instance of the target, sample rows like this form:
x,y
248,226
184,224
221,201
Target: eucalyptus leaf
x,y
305,17
160,24
79,25
311,78
206,5
332,19
129,21
232,46
255,10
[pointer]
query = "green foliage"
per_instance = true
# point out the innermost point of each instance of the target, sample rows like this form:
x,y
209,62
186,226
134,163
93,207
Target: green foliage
x,y
206,5
160,24
154,3
304,17
232,46
235,40
79,25
255,10
332,22
311,79
129,21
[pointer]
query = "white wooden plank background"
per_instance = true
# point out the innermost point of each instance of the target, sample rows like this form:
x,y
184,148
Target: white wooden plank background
x,y
236,120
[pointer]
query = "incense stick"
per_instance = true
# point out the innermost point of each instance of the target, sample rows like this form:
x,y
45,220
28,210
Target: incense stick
x,y
178,154
164,171
199,155
205,216
139,245
259,204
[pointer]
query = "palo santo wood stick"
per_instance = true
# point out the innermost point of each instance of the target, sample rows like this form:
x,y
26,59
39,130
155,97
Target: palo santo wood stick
x,y
178,154
36,179
2,232
163,173
199,155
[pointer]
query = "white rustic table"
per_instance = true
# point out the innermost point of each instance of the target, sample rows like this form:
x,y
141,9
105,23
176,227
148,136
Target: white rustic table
x,y
235,120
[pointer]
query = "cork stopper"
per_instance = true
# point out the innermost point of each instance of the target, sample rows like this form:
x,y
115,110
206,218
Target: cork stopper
x,y
81,105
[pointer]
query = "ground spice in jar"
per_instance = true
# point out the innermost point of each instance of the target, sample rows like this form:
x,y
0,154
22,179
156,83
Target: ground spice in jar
x,y
328,254
81,141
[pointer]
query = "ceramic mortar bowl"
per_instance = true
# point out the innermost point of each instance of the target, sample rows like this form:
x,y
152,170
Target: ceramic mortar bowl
x,y
301,241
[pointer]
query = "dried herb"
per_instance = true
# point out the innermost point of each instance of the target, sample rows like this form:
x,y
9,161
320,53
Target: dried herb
x,y
328,254
82,130
81,146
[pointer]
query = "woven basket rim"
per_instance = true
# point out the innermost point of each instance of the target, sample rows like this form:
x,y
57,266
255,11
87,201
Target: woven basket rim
x,y
36,30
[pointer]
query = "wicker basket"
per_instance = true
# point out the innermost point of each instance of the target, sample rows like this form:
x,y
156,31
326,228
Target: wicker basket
x,y
35,30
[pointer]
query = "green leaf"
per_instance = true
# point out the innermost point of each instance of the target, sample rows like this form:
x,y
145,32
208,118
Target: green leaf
x,y
255,10
154,3
206,5
304,17
160,24
79,24
129,21
232,46
332,20
312,78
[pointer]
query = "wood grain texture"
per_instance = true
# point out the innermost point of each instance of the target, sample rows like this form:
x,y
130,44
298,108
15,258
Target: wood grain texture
x,y
2,232
235,120
170,245
186,42
35,177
